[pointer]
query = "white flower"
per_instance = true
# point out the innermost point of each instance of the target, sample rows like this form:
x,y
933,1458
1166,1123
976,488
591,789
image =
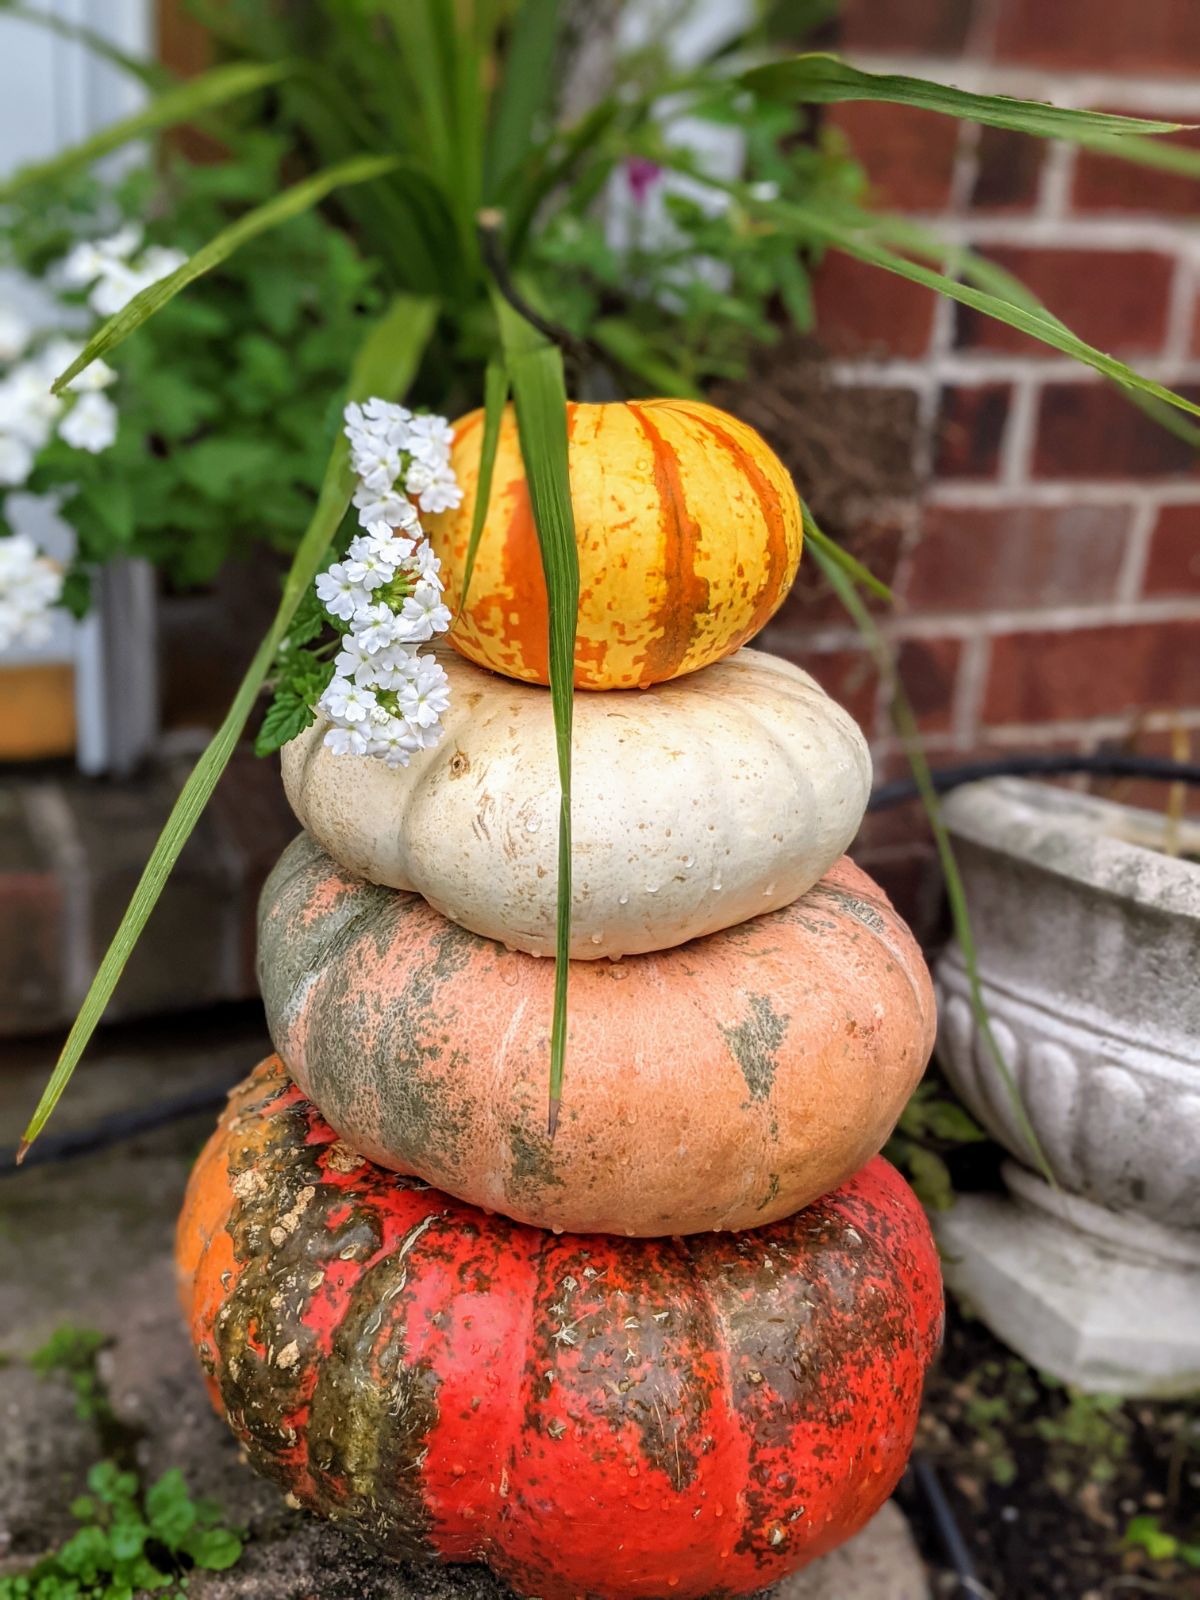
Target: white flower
x,y
27,408
377,626
346,742
83,264
377,463
388,545
120,281
393,509
15,334
391,668
434,485
369,566
121,244
115,289
424,612
16,461
339,594
430,439
347,702
159,262
396,743
352,661
425,699
29,586
426,564
91,423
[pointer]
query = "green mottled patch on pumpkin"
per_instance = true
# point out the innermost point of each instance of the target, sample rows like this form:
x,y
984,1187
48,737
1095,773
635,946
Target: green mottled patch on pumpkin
x,y
533,1169
755,1042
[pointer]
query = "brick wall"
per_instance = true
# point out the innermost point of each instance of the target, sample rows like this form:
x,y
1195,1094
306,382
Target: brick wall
x,y
1049,578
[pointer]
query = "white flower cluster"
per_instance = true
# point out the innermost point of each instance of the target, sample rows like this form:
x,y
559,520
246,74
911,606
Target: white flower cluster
x,y
386,699
29,585
29,412
108,265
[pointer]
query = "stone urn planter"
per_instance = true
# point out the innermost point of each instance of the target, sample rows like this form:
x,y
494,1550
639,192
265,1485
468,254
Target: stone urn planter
x,y
1088,938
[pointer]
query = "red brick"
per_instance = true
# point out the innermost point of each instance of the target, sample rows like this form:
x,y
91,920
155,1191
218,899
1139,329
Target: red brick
x,y
1115,299
1150,793
971,426
908,154
1008,170
848,675
813,599
936,27
1089,430
1000,558
1102,35
928,669
863,311
1106,183
1073,674
1173,565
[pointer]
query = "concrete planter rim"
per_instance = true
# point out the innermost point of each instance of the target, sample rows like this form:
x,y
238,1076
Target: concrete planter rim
x,y
1081,838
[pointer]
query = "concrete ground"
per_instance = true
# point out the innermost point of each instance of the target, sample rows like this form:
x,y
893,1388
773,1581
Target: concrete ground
x,y
87,1241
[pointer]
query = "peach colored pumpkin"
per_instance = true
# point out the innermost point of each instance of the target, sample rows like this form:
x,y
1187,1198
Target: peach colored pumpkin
x,y
688,529
721,1084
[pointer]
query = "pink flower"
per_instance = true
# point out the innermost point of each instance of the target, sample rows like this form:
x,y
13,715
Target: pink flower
x,y
642,174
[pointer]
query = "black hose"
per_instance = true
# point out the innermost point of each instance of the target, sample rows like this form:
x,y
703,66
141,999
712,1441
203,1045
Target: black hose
x,y
949,1533
116,1126
1103,764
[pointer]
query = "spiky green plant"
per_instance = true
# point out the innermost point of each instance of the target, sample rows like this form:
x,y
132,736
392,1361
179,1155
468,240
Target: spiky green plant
x,y
410,116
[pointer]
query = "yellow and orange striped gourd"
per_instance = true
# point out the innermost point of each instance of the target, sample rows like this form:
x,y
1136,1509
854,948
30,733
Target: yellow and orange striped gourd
x,y
688,529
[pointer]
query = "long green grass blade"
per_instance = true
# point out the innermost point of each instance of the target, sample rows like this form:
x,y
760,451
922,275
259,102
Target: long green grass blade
x,y
300,197
540,395
385,366
905,723
821,79
495,397
526,90
833,234
820,541
152,73
181,104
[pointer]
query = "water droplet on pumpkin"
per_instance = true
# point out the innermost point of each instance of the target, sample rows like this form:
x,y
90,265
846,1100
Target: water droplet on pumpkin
x,y
689,861
633,1472
623,900
533,824
770,889
652,888
717,886
597,938
556,1230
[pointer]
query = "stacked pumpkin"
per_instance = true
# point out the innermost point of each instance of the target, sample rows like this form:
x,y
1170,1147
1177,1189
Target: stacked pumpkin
x,y
678,1348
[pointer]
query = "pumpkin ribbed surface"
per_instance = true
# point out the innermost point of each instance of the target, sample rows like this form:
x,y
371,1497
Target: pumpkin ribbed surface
x,y
695,805
596,1419
688,529
720,1084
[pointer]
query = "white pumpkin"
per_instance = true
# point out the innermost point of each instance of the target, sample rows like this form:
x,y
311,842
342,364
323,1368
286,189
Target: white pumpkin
x,y
696,804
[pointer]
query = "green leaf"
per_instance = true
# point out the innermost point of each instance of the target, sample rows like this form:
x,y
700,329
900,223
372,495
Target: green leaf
x,y
526,89
213,88
386,366
906,725
845,236
495,396
821,79
169,1508
850,565
284,206
213,1549
539,393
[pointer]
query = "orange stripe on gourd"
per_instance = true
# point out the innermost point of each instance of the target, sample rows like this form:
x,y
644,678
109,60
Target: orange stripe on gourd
x,y
688,531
